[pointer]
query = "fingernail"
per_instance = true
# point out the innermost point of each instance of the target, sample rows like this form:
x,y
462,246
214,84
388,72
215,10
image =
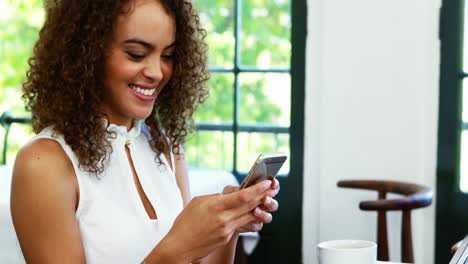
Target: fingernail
x,y
267,200
275,183
266,184
257,211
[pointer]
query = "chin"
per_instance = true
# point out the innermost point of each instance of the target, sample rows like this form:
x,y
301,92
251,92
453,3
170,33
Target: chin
x,y
141,114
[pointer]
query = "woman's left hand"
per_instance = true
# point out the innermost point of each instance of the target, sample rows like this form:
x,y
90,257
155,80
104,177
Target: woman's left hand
x,y
262,212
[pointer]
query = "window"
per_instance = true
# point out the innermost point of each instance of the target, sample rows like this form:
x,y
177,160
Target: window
x,y
463,179
248,110
20,22
452,195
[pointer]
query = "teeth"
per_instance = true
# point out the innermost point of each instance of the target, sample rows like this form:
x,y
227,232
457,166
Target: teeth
x,y
147,92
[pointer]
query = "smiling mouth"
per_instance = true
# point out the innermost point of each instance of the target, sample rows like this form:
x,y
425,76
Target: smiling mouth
x,y
142,91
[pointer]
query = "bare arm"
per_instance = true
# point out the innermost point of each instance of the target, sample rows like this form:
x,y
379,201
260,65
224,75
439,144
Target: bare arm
x,y
206,229
44,197
224,254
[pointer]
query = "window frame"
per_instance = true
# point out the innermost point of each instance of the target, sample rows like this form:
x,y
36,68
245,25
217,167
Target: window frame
x,y
451,213
272,247
237,127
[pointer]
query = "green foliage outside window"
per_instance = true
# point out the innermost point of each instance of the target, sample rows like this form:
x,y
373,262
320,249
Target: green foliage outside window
x,y
264,97
20,21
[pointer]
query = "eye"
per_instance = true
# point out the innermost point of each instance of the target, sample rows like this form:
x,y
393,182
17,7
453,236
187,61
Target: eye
x,y
135,56
167,57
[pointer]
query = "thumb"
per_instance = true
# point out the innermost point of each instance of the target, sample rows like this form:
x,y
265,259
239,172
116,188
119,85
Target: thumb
x,y
230,189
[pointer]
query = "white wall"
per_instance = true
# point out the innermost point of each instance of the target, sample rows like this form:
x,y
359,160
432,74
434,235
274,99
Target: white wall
x,y
371,112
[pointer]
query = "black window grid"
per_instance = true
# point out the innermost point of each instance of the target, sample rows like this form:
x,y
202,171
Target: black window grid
x,y
236,127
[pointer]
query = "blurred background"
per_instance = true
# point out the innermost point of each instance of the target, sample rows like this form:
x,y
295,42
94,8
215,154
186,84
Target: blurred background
x,y
363,89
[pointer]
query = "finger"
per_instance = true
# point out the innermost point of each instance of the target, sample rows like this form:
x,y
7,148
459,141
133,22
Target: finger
x,y
270,204
275,187
274,183
205,197
230,189
254,227
243,220
272,193
243,230
246,199
259,187
262,216
243,202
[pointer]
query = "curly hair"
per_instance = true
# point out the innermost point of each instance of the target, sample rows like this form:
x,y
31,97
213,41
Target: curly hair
x,y
63,87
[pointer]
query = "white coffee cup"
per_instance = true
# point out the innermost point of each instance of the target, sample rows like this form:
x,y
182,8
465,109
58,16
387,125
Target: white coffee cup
x,y
347,252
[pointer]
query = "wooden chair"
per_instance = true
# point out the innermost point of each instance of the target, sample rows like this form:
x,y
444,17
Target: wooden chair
x,y
6,120
415,196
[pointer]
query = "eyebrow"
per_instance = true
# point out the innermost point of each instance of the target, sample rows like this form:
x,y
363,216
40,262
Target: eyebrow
x,y
146,44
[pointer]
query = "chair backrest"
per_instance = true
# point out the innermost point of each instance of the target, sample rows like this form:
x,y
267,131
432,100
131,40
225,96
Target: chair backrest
x,y
414,196
6,119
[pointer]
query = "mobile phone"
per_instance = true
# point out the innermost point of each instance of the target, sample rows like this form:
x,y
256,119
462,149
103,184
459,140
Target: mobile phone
x,y
267,165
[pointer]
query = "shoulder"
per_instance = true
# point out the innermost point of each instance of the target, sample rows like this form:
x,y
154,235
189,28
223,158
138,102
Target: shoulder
x,y
44,198
43,164
42,154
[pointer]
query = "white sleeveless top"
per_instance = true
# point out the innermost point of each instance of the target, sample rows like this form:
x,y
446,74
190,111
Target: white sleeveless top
x,y
114,225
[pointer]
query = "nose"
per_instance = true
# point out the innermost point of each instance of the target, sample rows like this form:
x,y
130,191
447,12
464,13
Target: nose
x,y
153,71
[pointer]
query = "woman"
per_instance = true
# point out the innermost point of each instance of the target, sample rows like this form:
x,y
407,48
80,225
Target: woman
x,y
112,89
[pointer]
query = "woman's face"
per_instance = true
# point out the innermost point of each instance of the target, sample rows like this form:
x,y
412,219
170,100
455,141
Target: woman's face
x,y
140,62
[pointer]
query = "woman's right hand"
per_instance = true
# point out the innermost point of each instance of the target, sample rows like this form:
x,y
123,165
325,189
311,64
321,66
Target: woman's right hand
x,y
208,222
